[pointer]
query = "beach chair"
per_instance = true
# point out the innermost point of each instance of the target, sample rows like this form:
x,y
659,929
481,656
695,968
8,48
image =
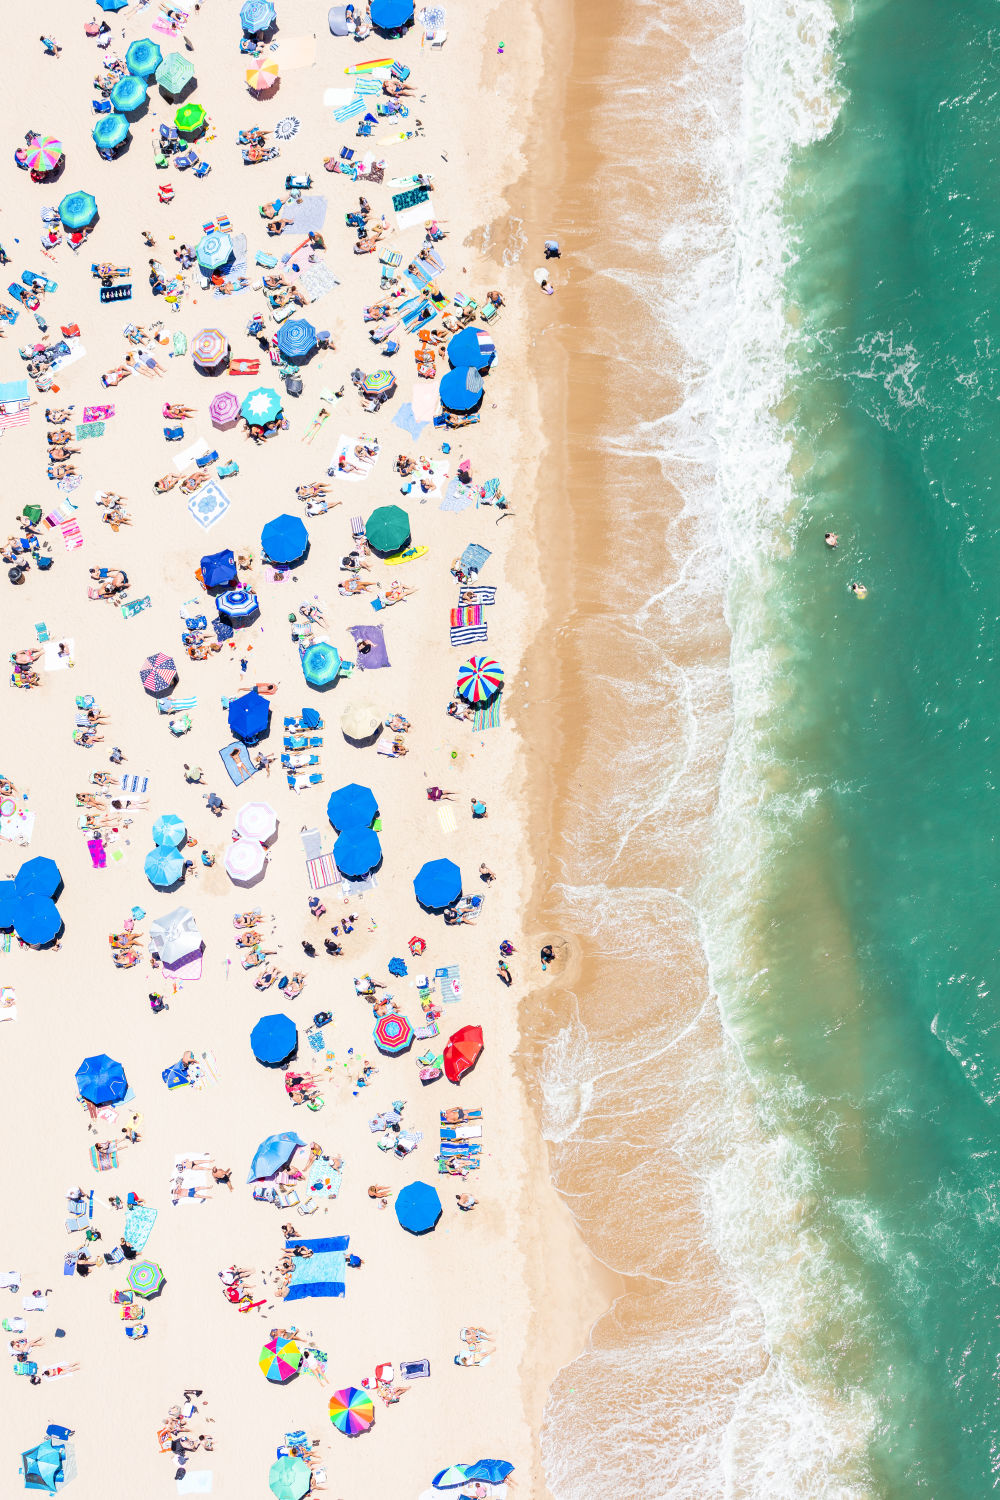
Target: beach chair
x,y
137,1331
185,160
180,726
227,469
202,169
170,137
173,434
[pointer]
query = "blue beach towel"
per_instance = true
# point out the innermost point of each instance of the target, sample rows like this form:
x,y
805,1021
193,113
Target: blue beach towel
x,y
322,1273
474,558
405,419
139,1226
458,496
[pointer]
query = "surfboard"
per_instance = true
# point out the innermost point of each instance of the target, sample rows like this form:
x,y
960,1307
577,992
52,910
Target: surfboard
x,y
402,557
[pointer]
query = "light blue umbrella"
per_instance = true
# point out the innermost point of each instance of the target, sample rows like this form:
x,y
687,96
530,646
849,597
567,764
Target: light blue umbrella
x,y
257,15
143,57
77,210
273,1154
321,664
169,830
262,405
129,94
296,338
164,866
214,250
110,131
112,4
42,1467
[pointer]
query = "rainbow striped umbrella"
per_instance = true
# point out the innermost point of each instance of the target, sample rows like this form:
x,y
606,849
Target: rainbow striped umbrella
x,y
280,1360
352,1411
378,382
262,76
45,154
479,680
145,1278
393,1035
209,348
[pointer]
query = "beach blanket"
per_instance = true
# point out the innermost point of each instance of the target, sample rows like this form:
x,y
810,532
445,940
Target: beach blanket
x,y
209,504
237,762
191,1177
451,983
312,842
378,656
308,213
103,1160
469,635
359,887
135,783
474,558
432,475
485,593
72,535
139,1226
18,827
322,872
97,414
322,1273
297,51
187,455
322,1180
408,422
195,1482
486,718
315,281
53,661
89,430
446,817
424,400
458,496
362,467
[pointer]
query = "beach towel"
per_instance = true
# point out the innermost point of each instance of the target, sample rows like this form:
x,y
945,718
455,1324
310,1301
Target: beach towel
x,y
322,872
467,614
485,593
355,106
424,400
362,467
296,51
135,783
474,558
315,281
51,658
97,414
322,1273
236,759
451,983
72,535
191,1177
468,635
103,1160
378,656
136,607
209,504
359,887
486,718
312,842
187,456
446,817
434,474
408,422
458,497
139,1226
322,1180
195,1482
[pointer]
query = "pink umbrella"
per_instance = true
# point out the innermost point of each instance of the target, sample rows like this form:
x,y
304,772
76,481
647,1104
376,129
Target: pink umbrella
x,y
224,409
245,861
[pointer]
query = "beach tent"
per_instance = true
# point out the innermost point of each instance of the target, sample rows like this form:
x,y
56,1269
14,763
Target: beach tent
x,y
274,1040
38,877
461,390
418,1207
321,664
285,540
438,884
351,806
272,1154
42,1467
462,1051
175,938
169,829
357,853
249,717
101,1080
387,529
218,569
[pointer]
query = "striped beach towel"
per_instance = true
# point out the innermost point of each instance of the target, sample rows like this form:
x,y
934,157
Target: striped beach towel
x,y
348,111
103,1160
446,818
135,783
14,414
485,593
451,983
468,635
322,872
467,614
486,718
72,535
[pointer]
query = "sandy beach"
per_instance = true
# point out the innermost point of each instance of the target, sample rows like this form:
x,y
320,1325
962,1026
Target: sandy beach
x,y
514,1266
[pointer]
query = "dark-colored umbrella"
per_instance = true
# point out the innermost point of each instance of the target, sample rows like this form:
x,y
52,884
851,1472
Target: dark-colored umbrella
x,y
238,606
36,920
285,540
296,338
438,884
461,389
274,1040
249,716
351,806
8,904
472,347
388,529
418,1207
38,877
218,571
357,853
101,1080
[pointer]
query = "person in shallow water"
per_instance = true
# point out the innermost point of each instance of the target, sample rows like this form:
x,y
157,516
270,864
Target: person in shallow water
x,y
859,591
831,539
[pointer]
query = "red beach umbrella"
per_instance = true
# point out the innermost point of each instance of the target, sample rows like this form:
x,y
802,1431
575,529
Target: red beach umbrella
x,y
462,1051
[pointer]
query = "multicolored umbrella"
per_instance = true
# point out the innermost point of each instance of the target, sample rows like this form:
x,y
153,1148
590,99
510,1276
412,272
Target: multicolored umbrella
x,y
290,1478
462,1051
189,118
262,76
110,131
209,348
224,409
158,672
257,15
262,405
378,383
45,155
479,680
214,250
174,73
145,1278
238,606
163,867
280,1360
246,861
321,664
77,210
387,529
257,820
129,94
143,57
170,830
393,1035
296,338
352,1411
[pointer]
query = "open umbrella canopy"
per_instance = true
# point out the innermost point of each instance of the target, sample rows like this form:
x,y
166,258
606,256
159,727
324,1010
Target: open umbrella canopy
x,y
285,540
129,94
145,1278
351,806
77,210
218,569
438,884
296,338
175,938
245,861
393,1035
36,920
352,1411
238,606
289,1478
189,118
101,1080
462,1051
42,1467
479,680
163,866
273,1154
249,716
40,876
45,154
262,405
143,57
321,664
378,383
224,408
110,131
262,76
169,829
361,722
391,15
274,1040
112,4
280,1360
214,250
257,820
418,1207
174,73
158,672
8,904
257,15
484,1470
461,389
472,347
388,529
209,348
357,853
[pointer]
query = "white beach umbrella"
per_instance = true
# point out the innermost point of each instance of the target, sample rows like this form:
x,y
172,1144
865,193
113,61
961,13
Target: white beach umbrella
x,y
246,860
257,820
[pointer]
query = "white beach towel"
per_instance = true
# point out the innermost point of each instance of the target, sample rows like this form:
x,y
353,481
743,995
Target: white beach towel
x,y
187,456
53,661
346,446
195,1482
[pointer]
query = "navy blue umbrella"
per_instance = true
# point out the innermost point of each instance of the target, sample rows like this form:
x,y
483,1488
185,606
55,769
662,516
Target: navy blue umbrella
x,y
418,1207
35,919
438,884
274,1040
38,877
218,571
238,606
101,1080
285,540
461,389
249,717
391,15
351,806
357,853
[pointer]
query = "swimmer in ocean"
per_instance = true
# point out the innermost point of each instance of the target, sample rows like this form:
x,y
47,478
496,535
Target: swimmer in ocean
x,y
859,591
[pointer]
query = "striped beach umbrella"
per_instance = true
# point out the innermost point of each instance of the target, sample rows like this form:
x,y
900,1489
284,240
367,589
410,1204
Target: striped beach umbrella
x,y
321,664
479,680
246,861
352,1411
262,405
393,1035
290,1478
224,408
378,383
256,15
174,73
143,57
189,118
238,606
158,672
262,76
209,348
45,154
110,131
257,820
145,1278
129,94
296,338
214,250
77,210
170,830
280,1360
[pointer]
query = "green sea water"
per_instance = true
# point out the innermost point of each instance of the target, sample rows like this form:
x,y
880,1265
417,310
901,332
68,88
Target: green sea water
x,y
875,1017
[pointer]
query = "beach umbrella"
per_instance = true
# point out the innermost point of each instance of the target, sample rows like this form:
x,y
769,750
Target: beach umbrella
x,y
461,390
145,1278
438,884
112,4
169,830
262,76
42,1466
290,1478
214,250
257,820
357,853
238,606
479,680
285,540
351,806
189,118
174,73
218,569
101,1080
110,131
391,15
143,57
128,94
209,348
273,1154
361,722
8,903
393,1035
164,866
472,347
262,405
175,938
485,1470
296,338
274,1040
245,861
77,210
224,409
35,920
352,1411
378,383
158,672
280,1360
321,664
249,716
387,529
462,1051
257,15
38,877
45,154
418,1207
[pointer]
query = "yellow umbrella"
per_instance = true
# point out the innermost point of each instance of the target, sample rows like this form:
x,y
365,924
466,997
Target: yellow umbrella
x,y
262,76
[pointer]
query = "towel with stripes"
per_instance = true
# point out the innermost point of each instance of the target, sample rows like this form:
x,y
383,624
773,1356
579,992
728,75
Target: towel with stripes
x,y
135,783
487,718
467,614
468,635
348,111
357,527
483,593
322,872
72,535
451,983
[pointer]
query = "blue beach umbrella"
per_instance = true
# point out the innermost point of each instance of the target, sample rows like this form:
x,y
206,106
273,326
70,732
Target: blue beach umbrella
x,y
257,15
274,1040
321,664
110,131
214,250
42,1467
101,1080
218,571
143,57
438,884
77,210
262,405
36,920
391,15
357,853
169,830
273,1154
418,1207
296,338
163,866
461,389
473,347
129,94
285,540
249,717
38,877
351,806
112,4
238,606
8,902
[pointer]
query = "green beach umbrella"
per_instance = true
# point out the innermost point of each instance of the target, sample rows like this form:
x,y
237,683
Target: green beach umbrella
x,y
189,118
289,1478
145,1278
77,210
174,73
110,131
388,529
143,57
